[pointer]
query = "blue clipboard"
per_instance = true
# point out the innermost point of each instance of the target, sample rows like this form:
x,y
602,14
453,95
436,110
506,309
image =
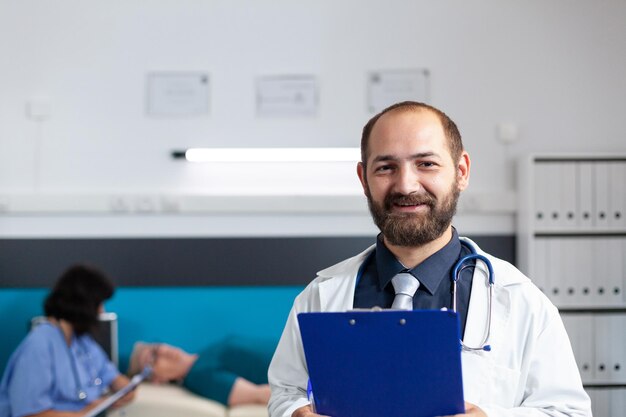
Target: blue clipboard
x,y
385,363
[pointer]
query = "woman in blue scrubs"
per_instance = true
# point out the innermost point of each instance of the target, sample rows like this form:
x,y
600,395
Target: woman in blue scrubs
x,y
59,370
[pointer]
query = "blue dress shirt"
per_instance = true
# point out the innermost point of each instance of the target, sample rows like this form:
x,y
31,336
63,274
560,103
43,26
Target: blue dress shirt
x,y
44,373
434,274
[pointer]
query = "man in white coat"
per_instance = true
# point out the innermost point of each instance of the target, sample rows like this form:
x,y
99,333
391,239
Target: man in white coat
x,y
413,168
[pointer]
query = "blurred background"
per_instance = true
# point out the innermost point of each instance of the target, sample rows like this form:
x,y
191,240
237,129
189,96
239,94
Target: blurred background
x,y
96,95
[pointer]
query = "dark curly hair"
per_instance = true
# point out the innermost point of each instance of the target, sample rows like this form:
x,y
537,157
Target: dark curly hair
x,y
77,295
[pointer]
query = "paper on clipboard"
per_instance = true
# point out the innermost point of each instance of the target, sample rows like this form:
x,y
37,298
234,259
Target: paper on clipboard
x,y
109,401
392,363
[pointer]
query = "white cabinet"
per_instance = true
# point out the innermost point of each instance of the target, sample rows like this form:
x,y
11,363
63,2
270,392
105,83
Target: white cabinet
x,y
607,401
571,242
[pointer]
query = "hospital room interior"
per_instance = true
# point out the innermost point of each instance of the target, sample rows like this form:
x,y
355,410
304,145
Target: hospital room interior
x,y
202,154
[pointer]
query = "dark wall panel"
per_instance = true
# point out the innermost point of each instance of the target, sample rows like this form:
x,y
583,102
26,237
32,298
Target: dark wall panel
x,y
192,262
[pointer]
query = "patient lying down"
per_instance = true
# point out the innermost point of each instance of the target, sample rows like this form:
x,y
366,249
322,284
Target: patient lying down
x,y
228,372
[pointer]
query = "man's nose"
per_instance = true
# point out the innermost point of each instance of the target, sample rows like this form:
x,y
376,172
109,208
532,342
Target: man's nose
x,y
407,181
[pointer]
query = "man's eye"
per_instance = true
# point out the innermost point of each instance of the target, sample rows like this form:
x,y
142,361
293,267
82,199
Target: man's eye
x,y
427,164
383,168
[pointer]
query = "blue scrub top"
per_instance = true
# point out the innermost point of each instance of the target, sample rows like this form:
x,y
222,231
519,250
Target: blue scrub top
x,y
40,374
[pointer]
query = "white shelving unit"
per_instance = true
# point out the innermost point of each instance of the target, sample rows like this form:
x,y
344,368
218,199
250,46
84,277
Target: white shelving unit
x,y
572,243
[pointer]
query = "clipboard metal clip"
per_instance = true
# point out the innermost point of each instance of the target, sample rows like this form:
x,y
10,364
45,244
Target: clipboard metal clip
x,y
375,308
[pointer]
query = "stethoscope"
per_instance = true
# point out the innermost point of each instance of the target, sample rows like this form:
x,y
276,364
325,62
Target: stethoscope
x,y
458,268
456,272
80,391
455,275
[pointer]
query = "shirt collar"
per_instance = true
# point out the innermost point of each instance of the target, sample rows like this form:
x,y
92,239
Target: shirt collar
x,y
430,272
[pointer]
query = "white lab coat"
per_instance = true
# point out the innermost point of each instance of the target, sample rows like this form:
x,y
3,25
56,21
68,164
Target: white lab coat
x,y
529,372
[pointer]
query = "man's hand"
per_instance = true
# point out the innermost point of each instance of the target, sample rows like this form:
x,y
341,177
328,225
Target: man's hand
x,y
471,410
305,411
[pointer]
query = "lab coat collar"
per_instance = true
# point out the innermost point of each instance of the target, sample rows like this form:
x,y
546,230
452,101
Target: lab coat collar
x,y
338,282
348,267
507,273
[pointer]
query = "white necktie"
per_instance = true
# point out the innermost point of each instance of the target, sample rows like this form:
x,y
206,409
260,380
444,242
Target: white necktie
x,y
405,285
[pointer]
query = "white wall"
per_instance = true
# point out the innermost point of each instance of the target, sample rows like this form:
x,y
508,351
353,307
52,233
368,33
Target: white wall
x,y
554,68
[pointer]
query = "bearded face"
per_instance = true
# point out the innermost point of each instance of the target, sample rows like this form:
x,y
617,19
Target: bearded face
x,y
414,229
411,179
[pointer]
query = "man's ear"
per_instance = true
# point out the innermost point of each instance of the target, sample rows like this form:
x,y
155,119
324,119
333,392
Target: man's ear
x,y
360,170
463,171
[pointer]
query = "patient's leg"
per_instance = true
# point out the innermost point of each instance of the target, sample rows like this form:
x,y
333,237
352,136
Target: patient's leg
x,y
212,377
246,392
230,372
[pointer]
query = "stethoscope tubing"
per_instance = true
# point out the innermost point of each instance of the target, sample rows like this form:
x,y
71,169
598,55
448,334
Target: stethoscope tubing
x,y
459,267
81,393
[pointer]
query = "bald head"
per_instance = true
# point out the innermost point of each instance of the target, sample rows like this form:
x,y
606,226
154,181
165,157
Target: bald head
x,y
454,142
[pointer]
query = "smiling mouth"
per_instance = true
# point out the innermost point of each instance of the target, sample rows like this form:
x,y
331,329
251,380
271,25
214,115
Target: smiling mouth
x,y
413,203
407,207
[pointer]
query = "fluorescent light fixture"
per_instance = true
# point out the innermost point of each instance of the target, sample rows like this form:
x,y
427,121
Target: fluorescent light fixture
x,y
270,154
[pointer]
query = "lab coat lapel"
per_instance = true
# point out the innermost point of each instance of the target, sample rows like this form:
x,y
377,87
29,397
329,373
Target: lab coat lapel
x,y
479,365
476,325
338,283
337,294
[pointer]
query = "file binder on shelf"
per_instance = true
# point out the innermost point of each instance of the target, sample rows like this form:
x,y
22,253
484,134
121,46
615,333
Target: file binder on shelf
x,y
542,198
584,271
618,401
602,190
617,210
384,363
566,195
539,273
610,366
614,278
600,402
581,265
569,276
586,196
580,331
609,402
556,257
